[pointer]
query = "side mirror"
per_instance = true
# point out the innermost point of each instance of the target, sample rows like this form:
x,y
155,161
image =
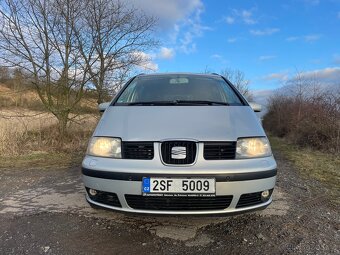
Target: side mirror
x,y
256,107
102,107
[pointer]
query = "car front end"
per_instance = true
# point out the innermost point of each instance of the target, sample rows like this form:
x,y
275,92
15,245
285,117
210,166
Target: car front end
x,y
177,158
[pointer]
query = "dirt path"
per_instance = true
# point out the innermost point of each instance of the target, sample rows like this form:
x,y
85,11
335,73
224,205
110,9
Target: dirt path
x,y
43,211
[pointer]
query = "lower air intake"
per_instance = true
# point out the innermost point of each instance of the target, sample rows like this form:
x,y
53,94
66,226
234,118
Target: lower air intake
x,y
178,203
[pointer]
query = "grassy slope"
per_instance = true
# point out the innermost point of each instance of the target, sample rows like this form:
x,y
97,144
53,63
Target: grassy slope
x,y
324,167
29,99
42,160
28,137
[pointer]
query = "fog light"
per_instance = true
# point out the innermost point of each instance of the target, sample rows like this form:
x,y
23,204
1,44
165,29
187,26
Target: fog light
x,y
265,195
92,192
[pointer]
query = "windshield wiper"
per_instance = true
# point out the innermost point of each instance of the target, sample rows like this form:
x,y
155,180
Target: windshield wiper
x,y
203,102
154,103
179,102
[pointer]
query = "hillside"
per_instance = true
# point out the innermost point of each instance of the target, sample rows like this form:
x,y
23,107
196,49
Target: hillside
x,y
26,128
27,98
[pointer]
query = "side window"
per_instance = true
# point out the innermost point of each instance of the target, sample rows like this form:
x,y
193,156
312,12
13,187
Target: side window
x,y
129,94
230,95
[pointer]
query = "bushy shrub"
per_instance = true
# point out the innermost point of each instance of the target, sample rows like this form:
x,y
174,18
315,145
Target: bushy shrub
x,y
306,115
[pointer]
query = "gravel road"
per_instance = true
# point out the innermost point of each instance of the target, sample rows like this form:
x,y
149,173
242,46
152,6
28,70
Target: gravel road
x,y
43,211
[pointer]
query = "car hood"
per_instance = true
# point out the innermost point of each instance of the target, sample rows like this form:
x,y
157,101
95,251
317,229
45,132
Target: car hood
x,y
156,123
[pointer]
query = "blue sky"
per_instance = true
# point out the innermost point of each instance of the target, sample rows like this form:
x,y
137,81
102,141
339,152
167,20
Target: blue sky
x,y
268,40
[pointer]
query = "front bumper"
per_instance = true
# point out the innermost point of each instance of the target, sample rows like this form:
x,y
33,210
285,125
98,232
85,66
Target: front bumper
x,y
238,179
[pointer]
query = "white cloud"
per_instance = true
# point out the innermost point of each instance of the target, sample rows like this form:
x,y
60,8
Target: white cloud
x,y
262,96
262,93
247,17
145,61
321,79
312,38
265,58
306,38
244,16
168,12
316,61
217,56
186,43
336,59
292,38
267,31
166,53
281,76
232,39
177,18
229,20
329,74
326,76
192,28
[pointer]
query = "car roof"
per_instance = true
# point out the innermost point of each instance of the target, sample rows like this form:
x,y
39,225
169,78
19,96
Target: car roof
x,y
209,75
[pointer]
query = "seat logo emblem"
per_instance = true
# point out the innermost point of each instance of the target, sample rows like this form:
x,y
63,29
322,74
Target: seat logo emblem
x,y
178,152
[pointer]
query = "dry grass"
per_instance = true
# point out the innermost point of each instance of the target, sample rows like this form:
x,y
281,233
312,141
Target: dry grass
x,y
322,166
28,133
19,98
24,132
27,98
42,160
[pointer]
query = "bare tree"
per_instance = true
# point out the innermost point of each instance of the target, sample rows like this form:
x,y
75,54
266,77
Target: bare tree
x,y
39,37
119,34
237,78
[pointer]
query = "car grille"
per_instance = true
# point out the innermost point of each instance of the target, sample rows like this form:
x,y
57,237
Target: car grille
x,y
219,150
178,203
250,199
189,154
105,198
137,150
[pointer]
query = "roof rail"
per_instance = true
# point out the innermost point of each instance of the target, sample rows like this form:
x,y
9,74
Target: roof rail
x,y
215,74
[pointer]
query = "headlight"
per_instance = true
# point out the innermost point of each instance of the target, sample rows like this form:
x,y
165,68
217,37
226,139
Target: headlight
x,y
105,147
256,147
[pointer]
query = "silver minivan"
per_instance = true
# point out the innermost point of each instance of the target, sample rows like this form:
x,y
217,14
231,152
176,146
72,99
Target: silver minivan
x,y
179,143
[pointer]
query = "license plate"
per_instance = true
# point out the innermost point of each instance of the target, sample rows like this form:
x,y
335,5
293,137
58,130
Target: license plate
x,y
180,186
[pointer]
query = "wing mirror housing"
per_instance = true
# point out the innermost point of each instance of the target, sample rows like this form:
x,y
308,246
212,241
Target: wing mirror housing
x,y
103,106
256,107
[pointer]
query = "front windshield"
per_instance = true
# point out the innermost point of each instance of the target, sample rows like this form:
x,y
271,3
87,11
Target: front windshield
x,y
178,89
